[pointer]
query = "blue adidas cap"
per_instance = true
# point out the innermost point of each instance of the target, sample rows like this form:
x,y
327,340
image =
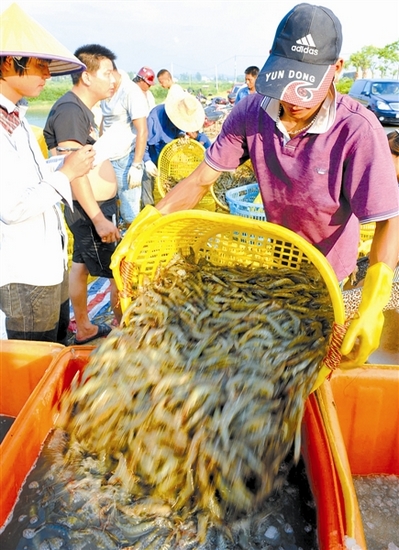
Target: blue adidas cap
x,y
301,65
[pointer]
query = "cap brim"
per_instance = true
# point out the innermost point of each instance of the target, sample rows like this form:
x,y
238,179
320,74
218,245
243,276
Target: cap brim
x,y
295,82
21,36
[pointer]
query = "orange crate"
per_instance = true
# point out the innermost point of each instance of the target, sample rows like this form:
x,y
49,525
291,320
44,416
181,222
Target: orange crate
x,y
39,414
23,364
367,404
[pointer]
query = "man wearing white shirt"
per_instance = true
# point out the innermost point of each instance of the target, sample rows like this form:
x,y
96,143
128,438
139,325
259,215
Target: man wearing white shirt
x,y
144,79
125,110
33,242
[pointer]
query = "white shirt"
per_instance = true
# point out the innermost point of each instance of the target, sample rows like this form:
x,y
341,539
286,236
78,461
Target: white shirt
x,y
31,221
150,100
127,104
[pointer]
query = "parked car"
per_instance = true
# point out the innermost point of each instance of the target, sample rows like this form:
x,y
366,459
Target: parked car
x,y
380,96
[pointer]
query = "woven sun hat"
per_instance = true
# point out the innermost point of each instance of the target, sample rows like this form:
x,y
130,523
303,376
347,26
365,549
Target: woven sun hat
x,y
185,111
22,36
301,65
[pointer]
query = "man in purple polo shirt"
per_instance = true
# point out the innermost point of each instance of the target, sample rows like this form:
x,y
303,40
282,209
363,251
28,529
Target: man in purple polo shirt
x,y
322,162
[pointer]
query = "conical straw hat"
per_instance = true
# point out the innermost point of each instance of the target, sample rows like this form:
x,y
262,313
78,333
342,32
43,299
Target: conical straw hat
x,y
21,36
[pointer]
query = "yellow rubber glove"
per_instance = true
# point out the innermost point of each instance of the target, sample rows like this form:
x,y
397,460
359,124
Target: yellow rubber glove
x,y
364,332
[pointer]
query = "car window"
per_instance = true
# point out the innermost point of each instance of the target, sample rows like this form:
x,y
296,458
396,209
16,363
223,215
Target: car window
x,y
389,88
357,87
367,88
376,88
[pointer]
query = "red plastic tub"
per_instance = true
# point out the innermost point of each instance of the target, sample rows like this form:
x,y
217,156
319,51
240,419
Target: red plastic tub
x,y
38,416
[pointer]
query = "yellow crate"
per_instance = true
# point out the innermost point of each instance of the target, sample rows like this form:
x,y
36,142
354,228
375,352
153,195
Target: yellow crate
x,y
366,238
178,159
40,139
222,239
367,231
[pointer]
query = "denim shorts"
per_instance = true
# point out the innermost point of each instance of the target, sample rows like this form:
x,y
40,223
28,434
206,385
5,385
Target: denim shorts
x,y
36,312
88,247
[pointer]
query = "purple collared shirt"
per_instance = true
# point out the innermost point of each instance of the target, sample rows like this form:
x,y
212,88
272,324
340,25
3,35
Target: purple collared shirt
x,y
319,185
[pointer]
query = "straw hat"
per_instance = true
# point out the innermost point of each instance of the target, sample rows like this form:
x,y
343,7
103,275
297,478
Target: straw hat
x,y
185,111
21,36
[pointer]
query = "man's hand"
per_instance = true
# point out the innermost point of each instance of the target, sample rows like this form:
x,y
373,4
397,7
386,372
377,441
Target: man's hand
x,y
108,232
183,140
78,163
135,175
364,332
150,168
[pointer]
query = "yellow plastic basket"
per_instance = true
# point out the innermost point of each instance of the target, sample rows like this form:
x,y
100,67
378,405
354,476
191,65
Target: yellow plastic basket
x,y
367,231
178,159
222,239
366,238
40,139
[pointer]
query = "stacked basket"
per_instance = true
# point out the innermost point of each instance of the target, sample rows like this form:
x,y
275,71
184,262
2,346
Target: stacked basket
x,y
241,202
178,159
243,175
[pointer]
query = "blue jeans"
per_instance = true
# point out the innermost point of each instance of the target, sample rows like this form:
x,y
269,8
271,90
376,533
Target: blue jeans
x,y
129,198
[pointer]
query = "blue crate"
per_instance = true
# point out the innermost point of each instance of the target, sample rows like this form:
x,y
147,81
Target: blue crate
x,y
240,202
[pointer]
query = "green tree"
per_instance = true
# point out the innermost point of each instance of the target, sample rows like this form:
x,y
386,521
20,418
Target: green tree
x,y
364,60
384,60
389,59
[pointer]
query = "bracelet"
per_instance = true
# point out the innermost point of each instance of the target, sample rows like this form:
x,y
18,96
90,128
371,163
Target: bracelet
x,y
138,165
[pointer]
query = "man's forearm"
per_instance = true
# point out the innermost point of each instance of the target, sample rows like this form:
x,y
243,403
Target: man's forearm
x,y
141,129
385,245
187,193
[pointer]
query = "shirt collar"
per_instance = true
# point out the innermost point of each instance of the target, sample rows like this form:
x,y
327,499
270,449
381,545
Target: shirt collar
x,y
22,105
324,120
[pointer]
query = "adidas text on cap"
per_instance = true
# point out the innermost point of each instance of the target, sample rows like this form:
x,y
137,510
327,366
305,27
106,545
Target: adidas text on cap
x,y
301,65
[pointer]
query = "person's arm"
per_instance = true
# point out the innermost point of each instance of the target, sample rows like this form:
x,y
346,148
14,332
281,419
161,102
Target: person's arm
x,y
83,193
189,191
29,191
363,335
204,140
135,174
140,125
385,244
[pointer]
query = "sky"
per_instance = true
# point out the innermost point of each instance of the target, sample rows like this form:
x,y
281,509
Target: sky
x,y
210,37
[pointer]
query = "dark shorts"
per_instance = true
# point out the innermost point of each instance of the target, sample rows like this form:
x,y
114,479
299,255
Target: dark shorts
x,y
36,312
88,248
147,190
